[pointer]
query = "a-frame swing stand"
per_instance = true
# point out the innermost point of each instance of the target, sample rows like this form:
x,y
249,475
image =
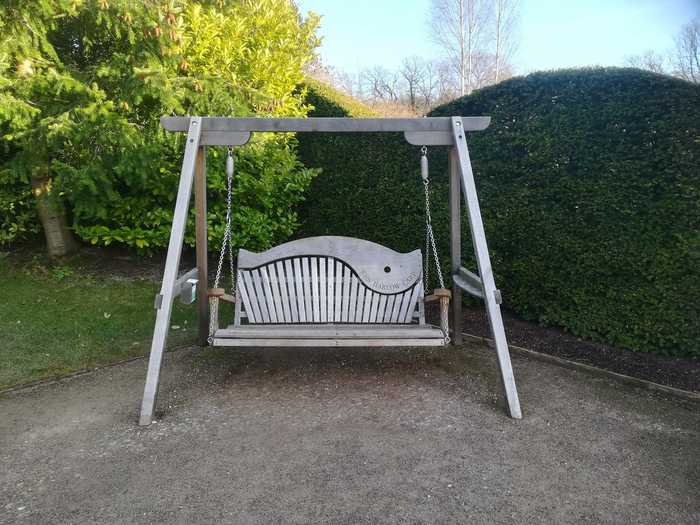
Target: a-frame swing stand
x,y
225,131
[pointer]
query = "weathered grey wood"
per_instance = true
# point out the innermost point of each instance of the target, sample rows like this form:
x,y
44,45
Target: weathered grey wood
x,y
276,294
332,342
291,286
369,257
306,280
430,138
316,297
181,281
200,206
470,277
469,282
250,297
485,270
354,295
367,305
380,273
338,306
258,292
238,307
331,124
172,262
323,289
455,246
225,138
415,294
299,287
324,331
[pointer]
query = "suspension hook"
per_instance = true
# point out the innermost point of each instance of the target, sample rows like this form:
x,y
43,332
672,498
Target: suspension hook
x,y
424,164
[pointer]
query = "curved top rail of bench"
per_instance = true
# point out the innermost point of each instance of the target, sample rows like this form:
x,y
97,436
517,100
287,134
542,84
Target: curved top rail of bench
x,y
380,268
236,130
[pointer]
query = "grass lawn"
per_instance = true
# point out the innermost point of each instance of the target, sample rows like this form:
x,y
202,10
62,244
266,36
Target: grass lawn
x,y
56,320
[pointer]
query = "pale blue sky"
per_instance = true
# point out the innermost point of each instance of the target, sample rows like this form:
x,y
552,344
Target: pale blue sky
x,y
553,33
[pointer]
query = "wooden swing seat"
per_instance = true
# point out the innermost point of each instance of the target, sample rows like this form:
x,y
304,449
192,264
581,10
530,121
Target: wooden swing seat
x,y
329,291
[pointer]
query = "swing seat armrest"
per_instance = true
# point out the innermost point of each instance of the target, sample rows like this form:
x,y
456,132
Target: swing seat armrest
x,y
438,294
221,294
228,298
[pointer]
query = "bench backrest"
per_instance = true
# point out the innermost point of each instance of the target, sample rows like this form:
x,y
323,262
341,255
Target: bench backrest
x,y
329,280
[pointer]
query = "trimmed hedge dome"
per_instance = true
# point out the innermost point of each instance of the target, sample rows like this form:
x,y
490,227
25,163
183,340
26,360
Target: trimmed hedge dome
x,y
589,187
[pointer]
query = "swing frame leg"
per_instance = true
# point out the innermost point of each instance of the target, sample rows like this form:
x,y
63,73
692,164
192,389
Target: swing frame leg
x,y
164,302
459,160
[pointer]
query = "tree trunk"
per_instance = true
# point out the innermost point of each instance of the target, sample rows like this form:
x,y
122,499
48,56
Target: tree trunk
x,y
52,214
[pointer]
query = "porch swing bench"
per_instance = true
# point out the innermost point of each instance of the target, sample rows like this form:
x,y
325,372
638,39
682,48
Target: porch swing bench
x,y
326,291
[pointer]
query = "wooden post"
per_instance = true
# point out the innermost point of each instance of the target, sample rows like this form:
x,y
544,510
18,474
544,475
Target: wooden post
x,y
164,300
200,203
490,293
455,245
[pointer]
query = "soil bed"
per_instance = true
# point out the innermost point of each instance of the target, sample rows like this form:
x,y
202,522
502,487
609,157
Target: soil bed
x,y
675,372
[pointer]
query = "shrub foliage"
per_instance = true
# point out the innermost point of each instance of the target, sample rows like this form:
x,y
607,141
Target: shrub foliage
x,y
588,181
83,84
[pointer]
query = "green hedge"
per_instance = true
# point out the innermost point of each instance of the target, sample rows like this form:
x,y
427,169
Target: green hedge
x,y
588,181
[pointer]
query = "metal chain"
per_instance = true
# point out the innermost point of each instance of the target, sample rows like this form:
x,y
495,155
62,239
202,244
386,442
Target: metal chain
x,y
431,246
226,243
429,234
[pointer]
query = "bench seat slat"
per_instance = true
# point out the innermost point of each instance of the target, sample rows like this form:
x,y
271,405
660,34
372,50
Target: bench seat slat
x,y
326,343
325,331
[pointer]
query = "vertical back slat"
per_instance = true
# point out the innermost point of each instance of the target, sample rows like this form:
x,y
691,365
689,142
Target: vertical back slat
x,y
316,310
412,304
259,293
299,286
338,306
269,298
347,285
252,311
405,304
323,289
290,279
367,305
331,288
356,312
374,307
276,292
396,309
388,308
284,290
352,305
308,294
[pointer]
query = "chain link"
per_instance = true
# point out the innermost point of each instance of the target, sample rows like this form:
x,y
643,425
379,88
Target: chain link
x,y
430,246
227,243
430,239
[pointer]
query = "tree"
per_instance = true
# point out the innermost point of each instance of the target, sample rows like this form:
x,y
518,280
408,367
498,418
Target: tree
x,y
477,37
413,72
649,61
458,27
505,19
687,57
81,93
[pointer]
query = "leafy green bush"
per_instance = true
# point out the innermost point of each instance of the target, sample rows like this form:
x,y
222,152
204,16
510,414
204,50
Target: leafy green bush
x,y
81,95
588,181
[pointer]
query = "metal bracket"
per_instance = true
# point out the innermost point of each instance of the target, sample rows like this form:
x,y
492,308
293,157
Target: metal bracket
x,y
497,296
188,292
158,301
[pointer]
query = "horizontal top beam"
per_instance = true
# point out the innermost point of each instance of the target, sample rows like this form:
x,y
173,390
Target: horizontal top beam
x,y
332,125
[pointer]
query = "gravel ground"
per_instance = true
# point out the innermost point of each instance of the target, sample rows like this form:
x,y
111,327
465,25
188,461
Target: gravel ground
x,y
347,436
